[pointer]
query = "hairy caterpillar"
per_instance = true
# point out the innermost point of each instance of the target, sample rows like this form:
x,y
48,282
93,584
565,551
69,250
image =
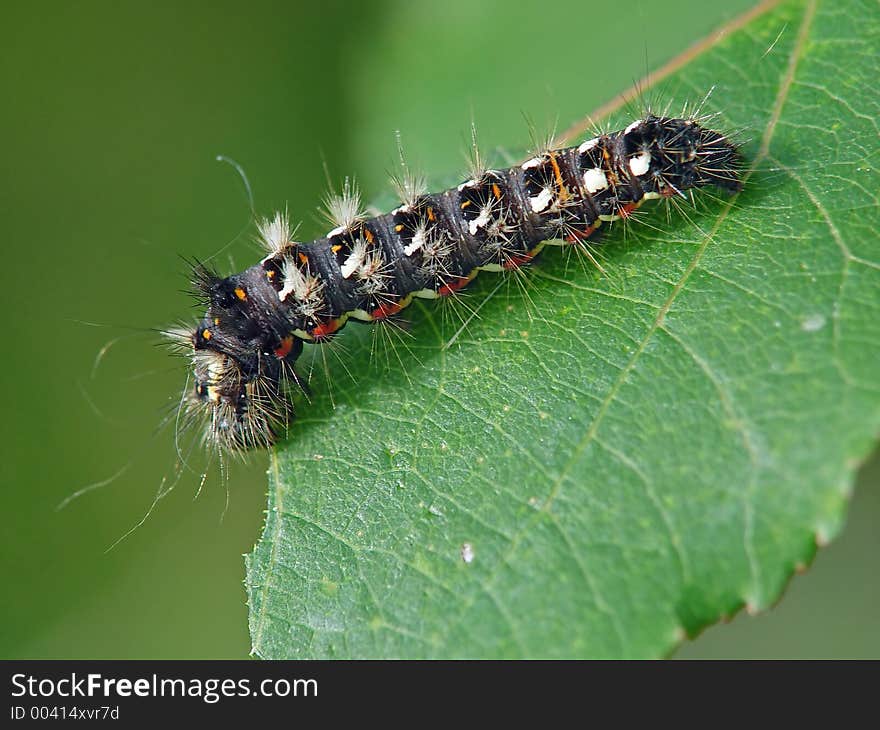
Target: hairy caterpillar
x,y
370,268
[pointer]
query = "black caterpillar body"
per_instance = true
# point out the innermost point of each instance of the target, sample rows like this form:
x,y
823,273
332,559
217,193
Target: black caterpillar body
x,y
370,268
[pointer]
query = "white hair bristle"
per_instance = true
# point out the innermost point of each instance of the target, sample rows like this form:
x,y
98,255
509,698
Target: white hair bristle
x,y
410,186
374,273
275,234
180,338
476,165
543,139
343,210
295,282
305,289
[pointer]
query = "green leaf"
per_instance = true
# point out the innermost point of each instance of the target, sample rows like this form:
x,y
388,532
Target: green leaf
x,y
601,465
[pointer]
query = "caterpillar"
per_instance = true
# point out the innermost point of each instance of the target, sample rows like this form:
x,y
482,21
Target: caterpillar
x,y
370,268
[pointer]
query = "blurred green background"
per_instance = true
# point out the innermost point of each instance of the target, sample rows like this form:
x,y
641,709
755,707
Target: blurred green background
x,y
113,114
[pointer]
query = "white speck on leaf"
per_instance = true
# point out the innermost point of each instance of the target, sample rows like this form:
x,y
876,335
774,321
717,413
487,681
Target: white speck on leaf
x,y
813,323
467,552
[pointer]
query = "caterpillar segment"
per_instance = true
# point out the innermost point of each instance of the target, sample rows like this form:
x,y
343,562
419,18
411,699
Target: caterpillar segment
x,y
432,245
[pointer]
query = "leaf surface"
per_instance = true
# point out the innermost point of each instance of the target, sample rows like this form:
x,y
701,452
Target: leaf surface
x,y
599,465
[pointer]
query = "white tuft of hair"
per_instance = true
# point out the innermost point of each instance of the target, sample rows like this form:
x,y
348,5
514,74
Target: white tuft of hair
x,y
344,210
355,258
295,282
275,233
303,288
180,337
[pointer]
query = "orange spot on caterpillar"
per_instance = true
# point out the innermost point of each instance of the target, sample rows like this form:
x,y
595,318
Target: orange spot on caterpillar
x,y
336,248
398,227
368,234
557,173
431,216
241,293
496,191
303,258
465,204
207,335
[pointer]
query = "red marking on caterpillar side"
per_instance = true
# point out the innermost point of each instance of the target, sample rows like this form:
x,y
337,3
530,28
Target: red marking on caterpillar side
x,y
516,261
283,350
384,311
324,330
627,210
576,236
459,283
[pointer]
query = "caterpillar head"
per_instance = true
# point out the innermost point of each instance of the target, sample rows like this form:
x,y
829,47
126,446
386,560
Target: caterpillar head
x,y
237,389
239,409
